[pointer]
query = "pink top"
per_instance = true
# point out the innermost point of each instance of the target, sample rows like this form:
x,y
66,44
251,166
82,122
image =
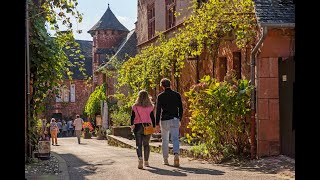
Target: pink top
x,y
142,114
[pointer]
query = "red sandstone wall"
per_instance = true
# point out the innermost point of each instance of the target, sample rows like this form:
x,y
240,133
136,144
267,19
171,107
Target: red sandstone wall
x,y
104,39
82,93
108,38
277,44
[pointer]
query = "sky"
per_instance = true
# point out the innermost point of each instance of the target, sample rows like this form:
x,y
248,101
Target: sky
x,y
92,10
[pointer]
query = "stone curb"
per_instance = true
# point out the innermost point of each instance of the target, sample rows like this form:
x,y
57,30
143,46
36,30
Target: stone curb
x,y
154,146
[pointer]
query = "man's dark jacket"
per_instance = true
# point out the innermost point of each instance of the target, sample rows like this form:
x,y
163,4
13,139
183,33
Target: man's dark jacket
x,y
169,105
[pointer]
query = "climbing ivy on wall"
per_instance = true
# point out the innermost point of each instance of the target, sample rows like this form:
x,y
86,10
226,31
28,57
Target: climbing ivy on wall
x,y
205,28
93,105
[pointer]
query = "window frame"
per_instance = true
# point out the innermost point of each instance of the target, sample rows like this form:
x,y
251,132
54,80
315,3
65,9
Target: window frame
x,y
170,13
151,20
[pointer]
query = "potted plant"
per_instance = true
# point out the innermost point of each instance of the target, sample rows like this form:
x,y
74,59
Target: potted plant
x,y
121,123
87,129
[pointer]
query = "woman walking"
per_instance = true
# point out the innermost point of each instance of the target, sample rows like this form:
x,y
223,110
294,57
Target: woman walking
x,y
142,115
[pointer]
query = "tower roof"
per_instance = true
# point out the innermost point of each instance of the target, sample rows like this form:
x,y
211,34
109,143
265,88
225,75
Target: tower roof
x,y
108,21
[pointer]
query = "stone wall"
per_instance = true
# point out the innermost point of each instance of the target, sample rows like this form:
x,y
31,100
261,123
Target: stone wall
x,y
70,109
278,43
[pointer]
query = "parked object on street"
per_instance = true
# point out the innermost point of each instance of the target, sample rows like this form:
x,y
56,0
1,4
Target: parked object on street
x,y
44,146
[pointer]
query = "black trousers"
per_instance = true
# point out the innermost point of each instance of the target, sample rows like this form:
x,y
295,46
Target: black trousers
x,y
142,140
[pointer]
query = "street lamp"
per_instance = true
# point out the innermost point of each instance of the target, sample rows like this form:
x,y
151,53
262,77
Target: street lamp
x,y
193,45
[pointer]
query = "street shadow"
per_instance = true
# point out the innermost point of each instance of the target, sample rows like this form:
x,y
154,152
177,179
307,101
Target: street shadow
x,y
182,171
83,144
78,169
166,172
200,171
268,165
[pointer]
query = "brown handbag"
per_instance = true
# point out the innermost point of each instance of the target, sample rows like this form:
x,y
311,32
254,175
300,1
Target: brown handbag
x,y
147,130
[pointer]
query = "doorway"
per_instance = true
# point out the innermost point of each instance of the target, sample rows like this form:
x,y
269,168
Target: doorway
x,y
286,94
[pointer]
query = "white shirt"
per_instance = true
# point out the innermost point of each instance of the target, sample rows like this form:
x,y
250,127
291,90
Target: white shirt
x,y
78,124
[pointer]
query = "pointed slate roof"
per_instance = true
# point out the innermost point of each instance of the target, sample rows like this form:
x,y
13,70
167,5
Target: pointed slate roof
x,y
108,21
275,12
127,49
86,51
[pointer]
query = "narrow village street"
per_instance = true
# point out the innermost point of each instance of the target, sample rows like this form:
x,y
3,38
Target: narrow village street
x,y
95,159
218,77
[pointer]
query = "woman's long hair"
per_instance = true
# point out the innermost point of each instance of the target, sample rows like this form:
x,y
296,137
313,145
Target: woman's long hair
x,y
143,99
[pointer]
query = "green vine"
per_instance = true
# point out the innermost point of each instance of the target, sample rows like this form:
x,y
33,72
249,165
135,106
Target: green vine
x,y
49,63
93,105
206,28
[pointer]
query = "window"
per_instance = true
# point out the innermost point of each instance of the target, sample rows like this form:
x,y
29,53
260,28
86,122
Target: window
x,y
72,93
59,95
222,68
170,11
64,94
151,21
237,64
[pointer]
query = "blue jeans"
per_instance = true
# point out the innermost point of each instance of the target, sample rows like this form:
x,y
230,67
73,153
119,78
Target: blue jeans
x,y
170,126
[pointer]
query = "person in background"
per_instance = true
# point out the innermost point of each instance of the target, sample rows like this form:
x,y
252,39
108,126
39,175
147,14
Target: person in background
x,y
64,128
169,111
78,122
141,115
59,123
70,128
54,130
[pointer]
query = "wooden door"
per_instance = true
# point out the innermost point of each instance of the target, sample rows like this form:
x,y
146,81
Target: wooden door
x,y
287,119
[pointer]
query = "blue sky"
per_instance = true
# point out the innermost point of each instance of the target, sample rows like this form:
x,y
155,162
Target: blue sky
x,y
124,10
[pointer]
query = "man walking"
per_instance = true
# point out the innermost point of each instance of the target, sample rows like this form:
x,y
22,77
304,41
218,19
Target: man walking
x,y
169,111
78,122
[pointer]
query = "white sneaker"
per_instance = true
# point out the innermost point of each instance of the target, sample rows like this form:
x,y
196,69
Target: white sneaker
x,y
146,163
165,162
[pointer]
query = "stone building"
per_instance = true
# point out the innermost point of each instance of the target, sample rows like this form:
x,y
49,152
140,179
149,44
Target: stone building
x,y
75,93
269,64
111,40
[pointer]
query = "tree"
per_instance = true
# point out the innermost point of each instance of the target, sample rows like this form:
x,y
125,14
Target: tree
x,y
49,64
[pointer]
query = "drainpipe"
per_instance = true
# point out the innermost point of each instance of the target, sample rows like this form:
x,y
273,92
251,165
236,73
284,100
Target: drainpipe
x,y
253,94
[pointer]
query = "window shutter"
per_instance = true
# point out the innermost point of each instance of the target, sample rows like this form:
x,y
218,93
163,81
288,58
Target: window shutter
x,y
73,93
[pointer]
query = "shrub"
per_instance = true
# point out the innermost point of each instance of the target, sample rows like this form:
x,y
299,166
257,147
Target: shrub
x,y
120,118
218,115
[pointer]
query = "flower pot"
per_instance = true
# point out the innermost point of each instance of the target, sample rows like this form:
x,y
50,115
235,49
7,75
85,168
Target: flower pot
x,y
87,135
